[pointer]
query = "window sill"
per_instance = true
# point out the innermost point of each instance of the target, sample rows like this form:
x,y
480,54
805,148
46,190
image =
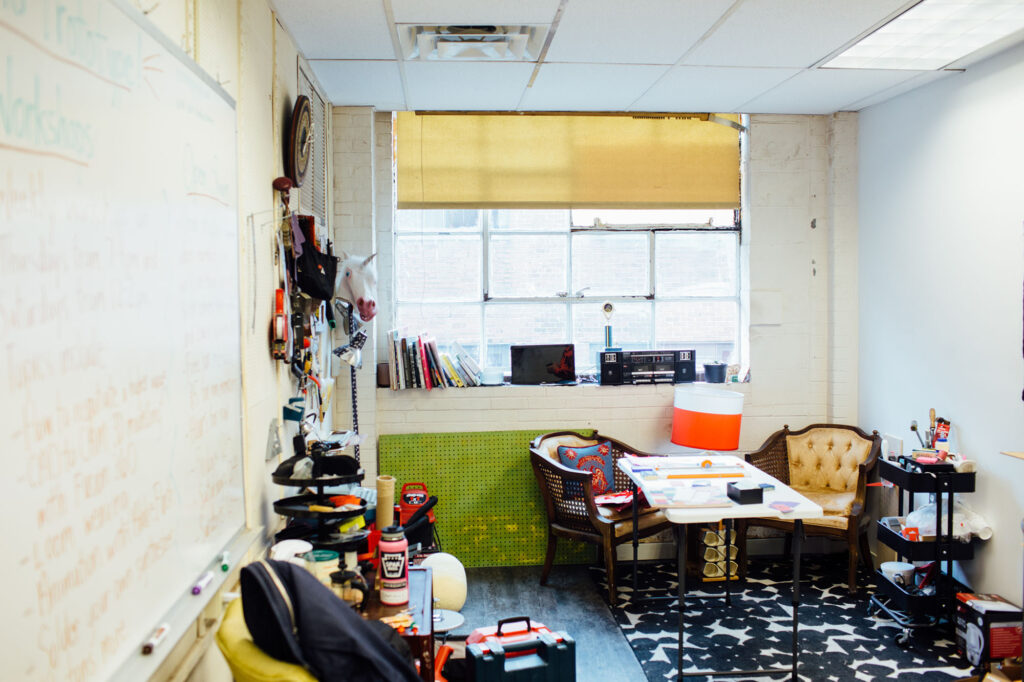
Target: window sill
x,y
553,389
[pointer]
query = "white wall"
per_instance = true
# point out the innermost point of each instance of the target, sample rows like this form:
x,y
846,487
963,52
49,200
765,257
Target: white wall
x,y
941,267
802,281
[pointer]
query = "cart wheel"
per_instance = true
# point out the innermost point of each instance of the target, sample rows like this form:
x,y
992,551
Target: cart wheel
x,y
903,639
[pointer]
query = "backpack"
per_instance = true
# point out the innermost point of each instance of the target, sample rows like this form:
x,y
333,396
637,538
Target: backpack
x,y
293,617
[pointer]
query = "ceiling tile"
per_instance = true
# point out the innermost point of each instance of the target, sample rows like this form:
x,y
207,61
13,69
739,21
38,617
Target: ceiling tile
x,y
705,88
789,33
638,32
322,31
824,91
455,86
473,12
589,87
361,83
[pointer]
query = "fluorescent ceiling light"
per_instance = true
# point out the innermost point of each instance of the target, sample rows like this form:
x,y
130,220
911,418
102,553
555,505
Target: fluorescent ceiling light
x,y
933,34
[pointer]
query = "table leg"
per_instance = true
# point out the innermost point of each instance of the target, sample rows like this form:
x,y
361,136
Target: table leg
x,y
636,535
681,587
728,553
798,534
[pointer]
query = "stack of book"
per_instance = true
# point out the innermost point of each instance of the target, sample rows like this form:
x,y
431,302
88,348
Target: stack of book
x,y
415,362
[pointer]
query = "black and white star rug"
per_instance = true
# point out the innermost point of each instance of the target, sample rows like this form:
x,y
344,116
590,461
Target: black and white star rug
x,y
839,640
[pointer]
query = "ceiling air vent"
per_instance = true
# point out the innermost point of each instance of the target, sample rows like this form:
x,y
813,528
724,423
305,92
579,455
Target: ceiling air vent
x,y
520,43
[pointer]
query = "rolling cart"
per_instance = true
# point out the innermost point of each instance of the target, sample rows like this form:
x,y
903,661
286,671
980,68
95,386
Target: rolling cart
x,y
910,606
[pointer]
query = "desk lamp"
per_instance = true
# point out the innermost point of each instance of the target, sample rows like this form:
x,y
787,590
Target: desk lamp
x,y
706,418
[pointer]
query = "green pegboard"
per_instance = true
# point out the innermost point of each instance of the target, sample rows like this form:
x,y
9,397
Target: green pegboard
x,y
489,510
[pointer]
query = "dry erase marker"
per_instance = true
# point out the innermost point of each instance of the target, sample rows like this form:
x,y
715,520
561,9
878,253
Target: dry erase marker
x,y
225,561
154,641
203,582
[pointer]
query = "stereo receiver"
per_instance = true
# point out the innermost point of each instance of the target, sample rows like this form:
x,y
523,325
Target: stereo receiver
x,y
646,367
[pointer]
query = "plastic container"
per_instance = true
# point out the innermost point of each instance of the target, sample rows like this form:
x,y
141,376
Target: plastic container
x,y
322,562
707,418
714,373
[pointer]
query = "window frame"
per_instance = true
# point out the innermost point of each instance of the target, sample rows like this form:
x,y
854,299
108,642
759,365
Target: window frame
x,y
571,299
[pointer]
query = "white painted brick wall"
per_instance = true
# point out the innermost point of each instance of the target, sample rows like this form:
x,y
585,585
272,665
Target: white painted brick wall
x,y
802,168
355,211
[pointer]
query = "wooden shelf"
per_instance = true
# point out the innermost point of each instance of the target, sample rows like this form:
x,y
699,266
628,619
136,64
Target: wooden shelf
x,y
1018,455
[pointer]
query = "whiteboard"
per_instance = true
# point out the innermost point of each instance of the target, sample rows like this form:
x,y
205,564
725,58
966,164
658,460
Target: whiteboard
x,y
119,329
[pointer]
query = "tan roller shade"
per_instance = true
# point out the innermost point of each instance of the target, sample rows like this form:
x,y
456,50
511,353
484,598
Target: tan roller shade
x,y
449,160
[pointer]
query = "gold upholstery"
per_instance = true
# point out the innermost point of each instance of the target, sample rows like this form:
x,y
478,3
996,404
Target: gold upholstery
x,y
826,460
549,445
569,502
829,464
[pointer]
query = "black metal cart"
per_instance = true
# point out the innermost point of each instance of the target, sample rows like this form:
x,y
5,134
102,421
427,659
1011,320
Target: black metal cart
x,y
909,606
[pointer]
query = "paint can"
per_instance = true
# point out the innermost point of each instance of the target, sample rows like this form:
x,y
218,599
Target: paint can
x,y
394,566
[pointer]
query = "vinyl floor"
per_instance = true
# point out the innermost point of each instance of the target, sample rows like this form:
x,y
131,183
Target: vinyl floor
x,y
571,602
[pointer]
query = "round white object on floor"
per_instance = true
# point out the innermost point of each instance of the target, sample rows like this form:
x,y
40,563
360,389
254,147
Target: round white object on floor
x,y
449,580
445,620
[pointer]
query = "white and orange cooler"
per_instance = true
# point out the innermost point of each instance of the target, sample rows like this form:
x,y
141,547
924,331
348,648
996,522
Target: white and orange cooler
x,y
707,418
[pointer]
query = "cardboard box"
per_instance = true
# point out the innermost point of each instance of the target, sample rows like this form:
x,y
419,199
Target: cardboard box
x,y
988,628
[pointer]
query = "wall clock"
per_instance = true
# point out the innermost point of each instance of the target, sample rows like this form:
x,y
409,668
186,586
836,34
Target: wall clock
x,y
300,141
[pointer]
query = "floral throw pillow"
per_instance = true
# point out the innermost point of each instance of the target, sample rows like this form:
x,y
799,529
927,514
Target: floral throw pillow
x,y
597,459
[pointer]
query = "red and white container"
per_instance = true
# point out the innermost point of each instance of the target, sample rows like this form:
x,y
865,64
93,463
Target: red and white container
x,y
707,418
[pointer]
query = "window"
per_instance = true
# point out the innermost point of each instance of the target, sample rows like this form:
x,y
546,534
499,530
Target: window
x,y
492,278
313,193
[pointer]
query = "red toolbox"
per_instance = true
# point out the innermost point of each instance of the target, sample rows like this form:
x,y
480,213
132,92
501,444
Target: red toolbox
x,y
528,652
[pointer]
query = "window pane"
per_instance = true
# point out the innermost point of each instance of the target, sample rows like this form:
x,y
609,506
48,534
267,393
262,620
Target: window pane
x,y
522,323
610,264
446,322
441,220
552,220
438,268
695,264
528,265
710,217
631,330
709,327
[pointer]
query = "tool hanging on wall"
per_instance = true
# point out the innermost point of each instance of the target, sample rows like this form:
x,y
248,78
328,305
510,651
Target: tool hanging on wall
x,y
279,342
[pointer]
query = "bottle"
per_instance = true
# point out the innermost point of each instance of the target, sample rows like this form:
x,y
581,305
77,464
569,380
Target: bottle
x,y
394,566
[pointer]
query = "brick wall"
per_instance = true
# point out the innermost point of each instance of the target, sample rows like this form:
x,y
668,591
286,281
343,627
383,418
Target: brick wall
x,y
801,232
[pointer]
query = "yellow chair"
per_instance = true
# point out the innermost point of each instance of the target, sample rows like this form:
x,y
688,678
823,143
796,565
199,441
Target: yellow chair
x,y
247,661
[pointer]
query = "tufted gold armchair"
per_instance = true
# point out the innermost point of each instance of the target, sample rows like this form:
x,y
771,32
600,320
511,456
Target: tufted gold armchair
x,y
829,464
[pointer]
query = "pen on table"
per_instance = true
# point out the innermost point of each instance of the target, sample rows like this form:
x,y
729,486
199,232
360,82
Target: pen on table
x,y
225,560
203,582
154,641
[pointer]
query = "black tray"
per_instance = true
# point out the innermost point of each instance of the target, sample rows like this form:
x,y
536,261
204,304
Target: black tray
x,y
314,482
923,550
353,541
911,604
298,507
946,480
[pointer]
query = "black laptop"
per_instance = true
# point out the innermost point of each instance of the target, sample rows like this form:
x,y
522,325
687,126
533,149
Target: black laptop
x,y
544,364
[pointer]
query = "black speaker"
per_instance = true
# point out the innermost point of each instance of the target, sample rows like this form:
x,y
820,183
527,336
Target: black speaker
x,y
610,363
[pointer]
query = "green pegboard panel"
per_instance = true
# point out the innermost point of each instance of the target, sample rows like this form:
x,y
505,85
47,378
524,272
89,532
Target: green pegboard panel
x,y
489,510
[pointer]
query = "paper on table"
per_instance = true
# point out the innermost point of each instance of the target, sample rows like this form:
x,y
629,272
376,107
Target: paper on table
x,y
685,494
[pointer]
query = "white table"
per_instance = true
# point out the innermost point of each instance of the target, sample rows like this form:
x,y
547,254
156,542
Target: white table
x,y
650,482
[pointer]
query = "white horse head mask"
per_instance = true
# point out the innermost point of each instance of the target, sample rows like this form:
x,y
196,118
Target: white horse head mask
x,y
357,284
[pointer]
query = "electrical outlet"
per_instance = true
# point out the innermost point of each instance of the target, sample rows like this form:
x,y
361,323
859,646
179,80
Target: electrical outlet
x,y
892,446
